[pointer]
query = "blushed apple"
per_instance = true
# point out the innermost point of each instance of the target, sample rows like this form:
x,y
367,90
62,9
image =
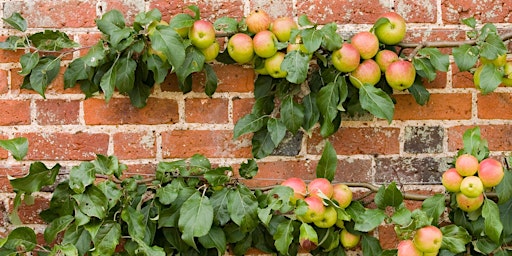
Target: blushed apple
x,y
346,59
428,239
349,240
273,65
490,172
258,20
211,52
368,72
282,28
240,48
366,43
407,248
400,74
469,204
322,185
466,165
299,187
201,34
384,58
451,180
316,209
264,44
392,32
342,195
471,186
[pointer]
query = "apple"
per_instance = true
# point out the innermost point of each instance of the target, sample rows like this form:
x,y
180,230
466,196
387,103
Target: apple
x,y
328,219
466,165
400,74
346,59
366,43
211,52
308,238
273,65
282,28
469,204
342,195
384,58
471,186
299,187
507,76
264,43
258,20
476,76
240,48
392,32
451,180
201,34
407,248
428,239
368,72
490,172
340,223
349,240
500,61
322,185
315,211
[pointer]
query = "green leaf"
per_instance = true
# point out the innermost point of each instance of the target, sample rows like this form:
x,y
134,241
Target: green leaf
x,y
485,246
474,144
219,201
64,249
276,129
284,236
419,92
377,102
28,61
249,123
439,60
108,82
20,239
146,18
389,196
145,249
95,55
107,238
193,62
17,146
44,73
504,189
77,70
424,68
218,176
211,80
493,46
92,202
465,56
167,194
490,78
242,207
113,24
13,43
371,246
296,63
125,74
79,237
56,226
39,176
327,101
470,22
196,218
326,167
455,238
166,40
140,92
369,220
312,38
248,169
81,176
16,21
262,144
379,22
434,206
292,114
52,41
135,221
332,40
108,165
311,112
506,217
304,21
214,239
226,24
159,67
402,216
493,225
111,191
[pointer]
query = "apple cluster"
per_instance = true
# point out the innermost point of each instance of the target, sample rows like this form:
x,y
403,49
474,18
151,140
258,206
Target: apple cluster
x,y
426,242
470,178
500,63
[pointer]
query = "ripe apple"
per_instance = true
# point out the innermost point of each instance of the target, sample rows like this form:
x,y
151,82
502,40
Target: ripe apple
x,y
201,34
400,74
211,52
342,195
328,219
349,240
466,165
258,20
240,48
428,239
471,186
500,61
318,185
469,204
316,209
490,172
451,180
264,43
392,32
384,58
507,76
282,28
368,72
346,59
273,65
299,187
366,43
407,248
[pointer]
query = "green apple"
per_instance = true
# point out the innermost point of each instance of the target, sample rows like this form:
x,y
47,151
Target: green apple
x,y
320,185
392,32
407,248
273,65
240,48
265,44
384,58
469,204
282,28
258,20
507,76
346,59
400,74
451,180
201,34
428,239
490,171
211,52
368,72
471,186
328,219
466,165
299,188
349,240
342,195
500,61
366,43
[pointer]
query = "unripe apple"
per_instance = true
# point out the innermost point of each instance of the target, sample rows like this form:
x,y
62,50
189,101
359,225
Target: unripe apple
x,y
299,187
318,185
469,204
368,72
346,59
451,180
257,21
407,248
282,28
264,43
384,58
201,34
428,239
476,76
490,172
400,74
342,195
366,43
500,61
240,48
273,65
507,76
471,186
328,219
316,209
466,165
393,32
349,240
211,52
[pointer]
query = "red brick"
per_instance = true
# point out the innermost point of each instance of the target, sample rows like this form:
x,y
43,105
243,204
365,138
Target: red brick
x,y
120,111
362,140
170,83
417,12
387,236
3,153
29,214
15,112
65,146
461,79
134,145
438,83
440,107
274,8
206,110
232,78
433,35
56,87
342,12
51,14
497,136
8,55
146,170
129,9
210,10
241,107
15,170
220,143
496,12
57,112
87,40
4,83
494,106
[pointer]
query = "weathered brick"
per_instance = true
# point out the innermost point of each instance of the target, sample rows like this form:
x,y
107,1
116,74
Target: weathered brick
x,y
29,214
290,145
3,153
134,145
440,107
57,112
7,56
342,12
88,39
56,87
210,10
461,79
361,140
15,112
13,170
387,236
4,82
497,11
206,110
494,106
241,107
232,78
120,111
146,170
438,83
273,173
408,170
274,8
497,136
129,9
423,139
417,12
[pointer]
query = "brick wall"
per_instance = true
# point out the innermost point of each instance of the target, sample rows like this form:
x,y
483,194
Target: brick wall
x,y
414,149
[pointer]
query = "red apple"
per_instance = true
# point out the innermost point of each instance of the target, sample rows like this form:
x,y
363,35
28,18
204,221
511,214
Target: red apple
x,y
428,239
393,32
366,43
346,59
264,43
342,195
471,186
368,72
240,48
299,187
282,28
273,65
384,58
316,209
490,172
201,34
407,248
466,165
349,240
400,74
469,204
451,180
257,21
320,185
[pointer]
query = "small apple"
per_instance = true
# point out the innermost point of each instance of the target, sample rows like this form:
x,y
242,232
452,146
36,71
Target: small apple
x,y
507,76
400,74
181,30
469,204
273,65
384,58
282,28
340,223
316,209
201,34
368,72
240,48
264,43
471,186
476,76
346,59
490,172
466,165
299,187
392,32
211,52
328,219
258,20
451,180
428,239
500,61
342,195
407,248
366,43
322,185
349,240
